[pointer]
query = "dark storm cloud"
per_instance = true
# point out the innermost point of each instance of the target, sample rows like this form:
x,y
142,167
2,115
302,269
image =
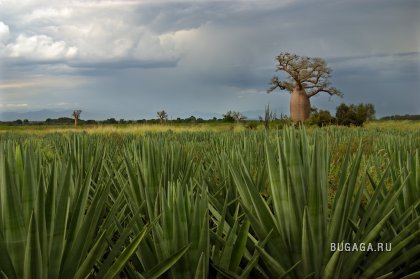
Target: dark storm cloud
x,y
111,66
389,88
191,56
381,55
171,17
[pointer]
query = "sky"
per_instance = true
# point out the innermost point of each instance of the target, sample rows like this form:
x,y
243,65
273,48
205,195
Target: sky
x,y
129,59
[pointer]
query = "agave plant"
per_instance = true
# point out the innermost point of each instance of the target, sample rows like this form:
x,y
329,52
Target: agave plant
x,y
252,204
58,223
162,177
303,227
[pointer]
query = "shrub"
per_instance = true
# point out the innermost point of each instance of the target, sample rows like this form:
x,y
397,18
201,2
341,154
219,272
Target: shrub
x,y
321,118
233,116
252,125
354,114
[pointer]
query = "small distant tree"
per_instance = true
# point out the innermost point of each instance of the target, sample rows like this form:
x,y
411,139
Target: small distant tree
x,y
162,115
228,117
111,121
91,121
191,119
237,116
233,116
76,116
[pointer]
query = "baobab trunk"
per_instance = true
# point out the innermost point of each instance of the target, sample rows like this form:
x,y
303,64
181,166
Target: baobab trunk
x,y
300,106
76,120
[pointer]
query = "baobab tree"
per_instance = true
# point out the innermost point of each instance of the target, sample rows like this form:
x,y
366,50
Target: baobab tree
x,y
163,116
306,78
76,115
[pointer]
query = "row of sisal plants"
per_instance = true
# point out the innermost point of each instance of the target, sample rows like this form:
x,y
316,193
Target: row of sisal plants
x,y
254,204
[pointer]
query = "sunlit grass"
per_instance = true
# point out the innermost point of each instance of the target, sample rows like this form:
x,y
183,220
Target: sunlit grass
x,y
394,124
127,128
141,128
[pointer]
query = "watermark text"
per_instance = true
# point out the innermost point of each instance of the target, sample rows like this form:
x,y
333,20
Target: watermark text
x,y
369,247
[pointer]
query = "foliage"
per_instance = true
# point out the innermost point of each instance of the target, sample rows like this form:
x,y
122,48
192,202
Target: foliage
x,y
61,120
299,224
402,117
76,113
250,204
111,121
162,115
57,219
233,116
354,114
321,118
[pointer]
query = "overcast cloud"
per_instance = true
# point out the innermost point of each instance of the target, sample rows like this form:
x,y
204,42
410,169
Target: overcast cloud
x,y
129,59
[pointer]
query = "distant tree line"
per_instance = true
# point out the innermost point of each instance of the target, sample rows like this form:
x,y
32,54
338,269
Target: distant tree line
x,y
402,117
346,115
70,121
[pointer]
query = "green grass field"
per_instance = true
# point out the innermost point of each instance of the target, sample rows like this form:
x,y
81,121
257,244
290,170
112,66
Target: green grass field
x,y
209,201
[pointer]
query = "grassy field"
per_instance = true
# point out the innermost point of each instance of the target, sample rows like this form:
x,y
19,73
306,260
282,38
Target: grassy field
x,y
209,201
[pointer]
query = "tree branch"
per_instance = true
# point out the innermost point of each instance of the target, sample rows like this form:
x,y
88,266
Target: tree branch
x,y
304,73
282,85
330,90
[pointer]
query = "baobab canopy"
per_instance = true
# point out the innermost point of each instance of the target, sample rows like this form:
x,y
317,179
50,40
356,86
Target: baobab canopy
x,y
306,78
